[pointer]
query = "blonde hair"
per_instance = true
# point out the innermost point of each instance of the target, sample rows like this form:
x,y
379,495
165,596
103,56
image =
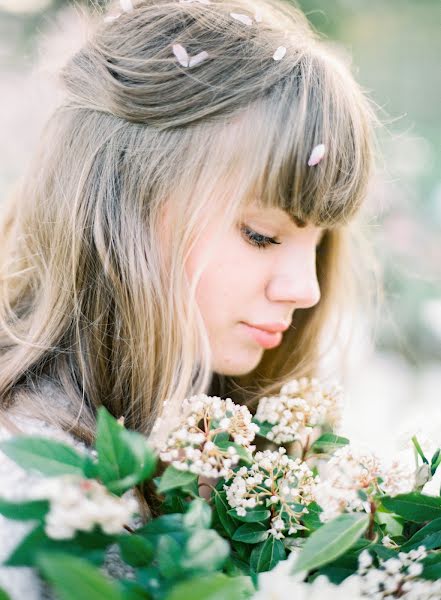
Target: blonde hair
x,y
91,297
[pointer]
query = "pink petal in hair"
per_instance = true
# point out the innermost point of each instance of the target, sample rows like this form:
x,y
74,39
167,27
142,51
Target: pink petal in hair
x,y
126,5
198,58
279,53
181,54
245,19
317,154
111,18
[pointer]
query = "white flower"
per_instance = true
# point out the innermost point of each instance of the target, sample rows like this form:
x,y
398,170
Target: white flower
x,y
78,504
351,470
191,442
287,482
317,154
302,405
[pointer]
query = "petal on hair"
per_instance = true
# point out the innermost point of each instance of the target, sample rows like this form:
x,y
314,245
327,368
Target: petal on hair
x,y
258,16
110,18
126,5
317,154
245,19
181,54
198,58
279,53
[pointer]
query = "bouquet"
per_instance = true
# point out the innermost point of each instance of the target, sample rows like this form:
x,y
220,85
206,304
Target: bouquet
x,y
275,505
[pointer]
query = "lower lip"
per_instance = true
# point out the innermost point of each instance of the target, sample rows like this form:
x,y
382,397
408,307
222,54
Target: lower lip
x,y
264,338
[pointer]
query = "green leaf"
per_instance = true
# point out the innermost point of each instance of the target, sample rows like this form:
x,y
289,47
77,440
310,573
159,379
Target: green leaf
x,y
46,456
222,507
311,519
173,478
414,507
124,457
168,556
432,567
393,527
205,551
136,550
243,453
24,511
264,427
331,541
251,533
75,578
435,462
213,587
254,515
329,442
198,515
266,556
430,534
4,595
419,449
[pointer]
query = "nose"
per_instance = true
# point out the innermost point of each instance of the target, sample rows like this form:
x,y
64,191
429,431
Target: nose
x,y
299,287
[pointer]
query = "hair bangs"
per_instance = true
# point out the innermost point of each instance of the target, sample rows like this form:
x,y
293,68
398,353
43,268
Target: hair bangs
x,y
312,106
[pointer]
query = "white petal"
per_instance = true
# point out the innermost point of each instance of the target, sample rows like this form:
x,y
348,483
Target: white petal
x,y
181,54
110,18
279,53
258,16
126,5
317,154
245,19
198,58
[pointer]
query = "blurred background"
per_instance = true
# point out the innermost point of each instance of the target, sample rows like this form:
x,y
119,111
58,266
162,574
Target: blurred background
x,y
395,48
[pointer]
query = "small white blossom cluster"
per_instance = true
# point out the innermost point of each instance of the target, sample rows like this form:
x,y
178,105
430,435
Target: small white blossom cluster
x,y
190,447
351,471
396,577
280,584
78,504
276,481
301,405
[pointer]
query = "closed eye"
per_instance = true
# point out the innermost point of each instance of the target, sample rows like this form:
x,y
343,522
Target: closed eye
x,y
258,239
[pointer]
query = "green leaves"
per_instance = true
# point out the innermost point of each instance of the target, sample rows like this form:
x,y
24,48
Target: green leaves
x,y
251,533
48,457
198,515
328,443
253,515
213,587
124,457
173,478
331,541
74,578
24,511
266,556
414,507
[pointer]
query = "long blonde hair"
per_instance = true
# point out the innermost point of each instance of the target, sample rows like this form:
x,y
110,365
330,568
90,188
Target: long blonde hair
x,y
91,298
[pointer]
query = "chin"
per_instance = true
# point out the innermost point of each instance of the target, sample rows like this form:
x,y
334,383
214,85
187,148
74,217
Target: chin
x,y
234,367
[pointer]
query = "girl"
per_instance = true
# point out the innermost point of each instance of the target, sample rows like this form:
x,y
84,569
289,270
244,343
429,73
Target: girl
x,y
190,221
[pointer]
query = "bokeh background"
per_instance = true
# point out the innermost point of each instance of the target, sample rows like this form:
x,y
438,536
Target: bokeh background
x,y
395,378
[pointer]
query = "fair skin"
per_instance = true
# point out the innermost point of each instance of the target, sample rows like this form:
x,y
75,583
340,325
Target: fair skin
x,y
246,283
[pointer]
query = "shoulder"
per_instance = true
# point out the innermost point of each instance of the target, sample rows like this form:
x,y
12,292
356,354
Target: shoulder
x,y
15,483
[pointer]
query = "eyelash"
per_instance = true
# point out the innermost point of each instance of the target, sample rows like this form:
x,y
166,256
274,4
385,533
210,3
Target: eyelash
x,y
257,239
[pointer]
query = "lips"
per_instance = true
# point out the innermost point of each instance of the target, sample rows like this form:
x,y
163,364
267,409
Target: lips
x,y
264,338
